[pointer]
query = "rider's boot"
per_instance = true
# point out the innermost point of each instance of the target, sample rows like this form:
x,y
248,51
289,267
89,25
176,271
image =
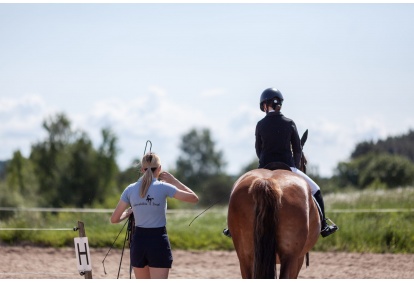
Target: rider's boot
x,y
326,229
226,233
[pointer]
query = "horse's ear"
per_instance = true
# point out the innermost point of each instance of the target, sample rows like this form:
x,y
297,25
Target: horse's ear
x,y
304,138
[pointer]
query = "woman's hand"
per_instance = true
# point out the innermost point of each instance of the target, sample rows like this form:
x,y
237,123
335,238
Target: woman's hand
x,y
126,213
167,177
183,193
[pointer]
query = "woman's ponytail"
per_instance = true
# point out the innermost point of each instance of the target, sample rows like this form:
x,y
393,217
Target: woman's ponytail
x,y
150,162
146,182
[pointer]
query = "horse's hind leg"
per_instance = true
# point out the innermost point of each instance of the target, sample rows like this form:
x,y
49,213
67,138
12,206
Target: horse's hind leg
x,y
246,263
246,270
300,264
289,268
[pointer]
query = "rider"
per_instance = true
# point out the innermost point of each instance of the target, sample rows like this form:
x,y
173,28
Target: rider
x,y
277,140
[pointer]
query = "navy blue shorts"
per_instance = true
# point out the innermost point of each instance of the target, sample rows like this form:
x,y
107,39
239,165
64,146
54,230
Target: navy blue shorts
x,y
151,246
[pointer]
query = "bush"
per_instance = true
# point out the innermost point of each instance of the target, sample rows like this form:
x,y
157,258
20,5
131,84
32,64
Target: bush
x,y
376,170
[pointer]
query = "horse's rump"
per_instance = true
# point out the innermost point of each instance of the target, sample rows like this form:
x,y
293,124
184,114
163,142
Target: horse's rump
x,y
269,218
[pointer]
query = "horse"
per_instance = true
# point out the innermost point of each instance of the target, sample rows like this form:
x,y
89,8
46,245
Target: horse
x,y
273,219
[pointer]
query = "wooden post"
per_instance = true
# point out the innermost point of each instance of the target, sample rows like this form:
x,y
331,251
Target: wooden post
x,y
82,233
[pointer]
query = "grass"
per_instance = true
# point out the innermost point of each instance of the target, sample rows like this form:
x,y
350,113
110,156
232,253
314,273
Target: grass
x,y
377,232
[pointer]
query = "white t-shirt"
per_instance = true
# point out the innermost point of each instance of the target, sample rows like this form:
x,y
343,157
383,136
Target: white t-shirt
x,y
150,211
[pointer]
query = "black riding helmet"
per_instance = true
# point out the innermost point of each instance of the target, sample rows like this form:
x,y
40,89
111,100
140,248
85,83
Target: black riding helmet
x,y
269,94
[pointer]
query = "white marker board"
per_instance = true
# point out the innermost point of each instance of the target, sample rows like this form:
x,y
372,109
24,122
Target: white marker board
x,y
83,257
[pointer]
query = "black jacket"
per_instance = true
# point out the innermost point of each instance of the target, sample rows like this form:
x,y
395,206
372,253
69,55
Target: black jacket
x,y
277,139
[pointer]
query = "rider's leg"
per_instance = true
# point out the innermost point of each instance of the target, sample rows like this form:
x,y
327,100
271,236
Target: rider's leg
x,y
326,229
314,187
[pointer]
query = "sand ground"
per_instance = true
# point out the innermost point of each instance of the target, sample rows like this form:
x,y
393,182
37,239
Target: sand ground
x,y
29,262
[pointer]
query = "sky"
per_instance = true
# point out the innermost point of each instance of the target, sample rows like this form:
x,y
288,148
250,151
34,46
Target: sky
x,y
156,71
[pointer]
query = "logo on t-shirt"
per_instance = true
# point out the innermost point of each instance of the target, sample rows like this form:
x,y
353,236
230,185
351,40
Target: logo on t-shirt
x,y
149,199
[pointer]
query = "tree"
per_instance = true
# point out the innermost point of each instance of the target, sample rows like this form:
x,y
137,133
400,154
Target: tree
x,y
79,184
376,170
397,145
19,189
68,168
199,159
200,166
129,175
3,166
106,164
254,164
389,171
21,178
49,157
216,189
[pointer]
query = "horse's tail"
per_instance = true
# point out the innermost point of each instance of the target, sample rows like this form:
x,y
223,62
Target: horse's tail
x,y
267,196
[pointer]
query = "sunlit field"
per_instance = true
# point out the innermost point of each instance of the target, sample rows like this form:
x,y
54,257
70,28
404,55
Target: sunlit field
x,y
375,221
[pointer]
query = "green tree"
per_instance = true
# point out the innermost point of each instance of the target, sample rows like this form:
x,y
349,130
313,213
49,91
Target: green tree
x,y
69,170
107,168
254,164
19,187
389,171
49,157
199,158
200,166
129,175
216,189
376,170
79,183
397,145
3,166
21,178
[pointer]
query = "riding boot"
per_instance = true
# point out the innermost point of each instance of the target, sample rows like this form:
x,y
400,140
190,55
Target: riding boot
x,y
326,229
226,233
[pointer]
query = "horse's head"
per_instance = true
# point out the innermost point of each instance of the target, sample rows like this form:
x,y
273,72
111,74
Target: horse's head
x,y
303,160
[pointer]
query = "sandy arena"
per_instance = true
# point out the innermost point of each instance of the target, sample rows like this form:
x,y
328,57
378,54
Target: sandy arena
x,y
28,262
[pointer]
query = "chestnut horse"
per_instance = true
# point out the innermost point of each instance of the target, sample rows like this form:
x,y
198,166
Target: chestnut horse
x,y
273,220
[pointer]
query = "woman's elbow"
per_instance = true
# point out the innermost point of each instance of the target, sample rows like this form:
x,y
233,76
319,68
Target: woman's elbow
x,y
113,220
194,199
191,198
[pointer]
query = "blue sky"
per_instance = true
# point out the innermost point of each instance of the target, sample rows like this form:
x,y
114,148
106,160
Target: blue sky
x,y
154,71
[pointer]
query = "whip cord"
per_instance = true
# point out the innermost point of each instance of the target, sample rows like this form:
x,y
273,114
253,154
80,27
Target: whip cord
x,y
113,246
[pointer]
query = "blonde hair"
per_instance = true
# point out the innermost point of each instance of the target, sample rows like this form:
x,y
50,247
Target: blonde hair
x,y
150,162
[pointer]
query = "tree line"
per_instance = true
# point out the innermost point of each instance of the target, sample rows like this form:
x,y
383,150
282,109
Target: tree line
x,y
66,170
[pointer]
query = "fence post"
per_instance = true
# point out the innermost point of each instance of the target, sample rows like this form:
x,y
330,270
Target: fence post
x,y
82,233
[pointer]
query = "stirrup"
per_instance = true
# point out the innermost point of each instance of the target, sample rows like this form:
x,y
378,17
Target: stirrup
x,y
329,229
226,233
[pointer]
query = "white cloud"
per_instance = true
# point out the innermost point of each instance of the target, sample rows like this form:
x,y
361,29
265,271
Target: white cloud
x,y
21,123
330,142
214,92
154,115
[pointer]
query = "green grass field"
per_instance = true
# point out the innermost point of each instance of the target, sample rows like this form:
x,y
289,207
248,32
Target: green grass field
x,y
363,227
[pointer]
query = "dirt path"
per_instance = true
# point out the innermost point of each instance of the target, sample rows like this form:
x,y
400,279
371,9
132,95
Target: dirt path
x,y
28,262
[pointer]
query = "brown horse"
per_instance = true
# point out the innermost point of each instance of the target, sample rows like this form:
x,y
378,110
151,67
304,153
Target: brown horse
x,y
273,220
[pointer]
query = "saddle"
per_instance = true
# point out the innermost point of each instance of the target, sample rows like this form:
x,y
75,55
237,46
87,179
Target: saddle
x,y
277,166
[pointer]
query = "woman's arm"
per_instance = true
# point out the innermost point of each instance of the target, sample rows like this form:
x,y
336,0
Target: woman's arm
x,y
183,193
121,212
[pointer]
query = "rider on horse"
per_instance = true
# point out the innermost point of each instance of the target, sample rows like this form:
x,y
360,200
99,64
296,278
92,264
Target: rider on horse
x,y
277,140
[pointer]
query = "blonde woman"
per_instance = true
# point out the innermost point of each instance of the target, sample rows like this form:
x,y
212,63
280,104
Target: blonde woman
x,y
150,252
